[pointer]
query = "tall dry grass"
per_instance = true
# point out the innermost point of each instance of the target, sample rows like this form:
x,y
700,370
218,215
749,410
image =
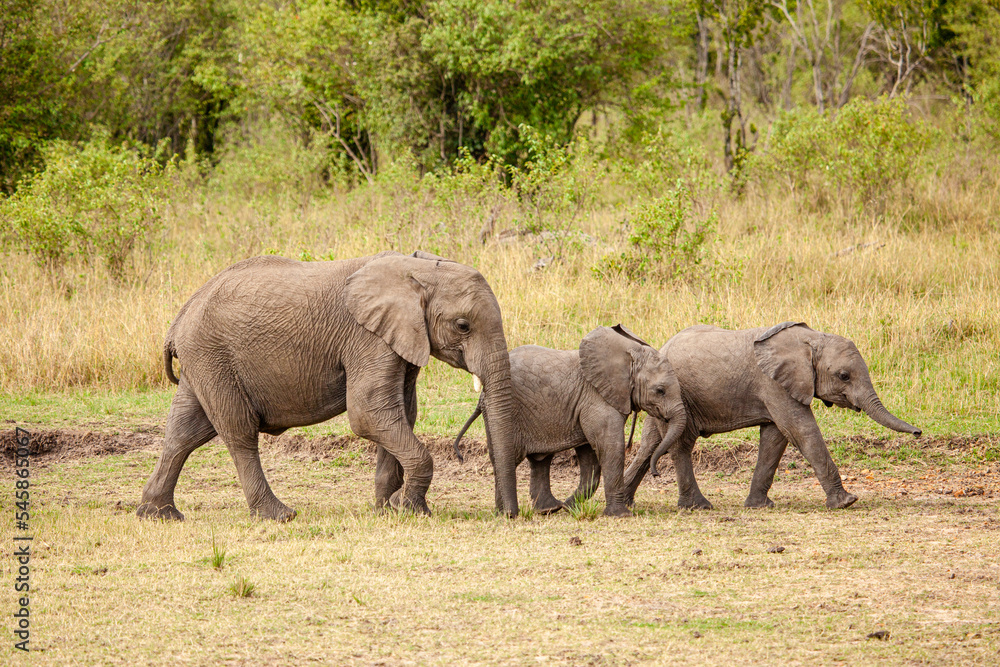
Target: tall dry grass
x,y
919,299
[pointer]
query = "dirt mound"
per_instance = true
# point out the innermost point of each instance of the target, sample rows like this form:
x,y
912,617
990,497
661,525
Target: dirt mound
x,y
59,444
932,472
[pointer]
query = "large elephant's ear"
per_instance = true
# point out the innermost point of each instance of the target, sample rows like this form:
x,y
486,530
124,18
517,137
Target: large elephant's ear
x,y
785,355
386,298
606,359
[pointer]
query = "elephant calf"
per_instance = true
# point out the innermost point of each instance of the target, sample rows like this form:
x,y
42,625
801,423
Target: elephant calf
x,y
768,378
581,399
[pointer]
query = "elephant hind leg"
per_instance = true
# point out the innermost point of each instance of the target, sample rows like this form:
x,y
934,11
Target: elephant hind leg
x,y
242,445
590,475
541,490
239,427
188,428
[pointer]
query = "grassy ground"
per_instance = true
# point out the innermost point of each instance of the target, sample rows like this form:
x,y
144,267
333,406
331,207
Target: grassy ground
x,y
341,585
915,285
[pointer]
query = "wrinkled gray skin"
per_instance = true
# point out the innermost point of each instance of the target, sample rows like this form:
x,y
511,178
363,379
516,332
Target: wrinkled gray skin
x,y
767,378
581,399
271,343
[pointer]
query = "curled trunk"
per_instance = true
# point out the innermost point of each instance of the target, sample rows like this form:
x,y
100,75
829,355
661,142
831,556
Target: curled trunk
x,y
873,407
650,450
674,432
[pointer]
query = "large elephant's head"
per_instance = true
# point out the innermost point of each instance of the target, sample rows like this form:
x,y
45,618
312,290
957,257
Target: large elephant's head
x,y
423,305
812,364
631,375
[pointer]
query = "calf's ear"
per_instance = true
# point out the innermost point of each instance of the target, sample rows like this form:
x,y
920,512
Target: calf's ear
x,y
606,359
785,354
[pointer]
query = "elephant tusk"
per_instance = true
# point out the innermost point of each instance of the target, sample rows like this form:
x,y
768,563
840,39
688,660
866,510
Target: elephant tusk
x,y
477,384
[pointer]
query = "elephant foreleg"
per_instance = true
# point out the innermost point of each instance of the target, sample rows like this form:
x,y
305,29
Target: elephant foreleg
x,y
388,477
541,490
188,428
637,470
379,412
772,448
689,495
590,475
388,470
807,437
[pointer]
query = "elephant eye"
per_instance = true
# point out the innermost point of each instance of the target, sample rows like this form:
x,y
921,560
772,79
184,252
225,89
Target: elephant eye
x,y
844,376
660,391
463,325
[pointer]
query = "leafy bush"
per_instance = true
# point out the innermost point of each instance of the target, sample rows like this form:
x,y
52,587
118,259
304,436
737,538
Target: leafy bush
x,y
557,183
666,241
862,153
658,159
269,161
470,191
93,200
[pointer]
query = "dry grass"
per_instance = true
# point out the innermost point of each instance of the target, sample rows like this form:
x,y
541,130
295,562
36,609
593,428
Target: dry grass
x,y
340,585
921,304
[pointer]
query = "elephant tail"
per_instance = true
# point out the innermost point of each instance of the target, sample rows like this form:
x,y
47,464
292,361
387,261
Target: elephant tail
x,y
168,360
475,415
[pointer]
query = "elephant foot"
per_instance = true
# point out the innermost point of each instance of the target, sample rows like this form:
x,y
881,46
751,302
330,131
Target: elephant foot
x,y
400,502
758,502
617,510
840,500
546,505
275,511
699,502
150,510
547,509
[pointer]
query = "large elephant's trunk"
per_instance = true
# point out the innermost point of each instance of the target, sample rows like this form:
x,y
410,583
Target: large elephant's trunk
x,y
502,432
872,406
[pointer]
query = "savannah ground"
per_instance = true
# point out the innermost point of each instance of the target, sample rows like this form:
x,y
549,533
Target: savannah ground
x,y
877,219
916,557
340,585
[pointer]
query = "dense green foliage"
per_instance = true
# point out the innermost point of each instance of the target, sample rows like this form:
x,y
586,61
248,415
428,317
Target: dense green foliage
x,y
529,111
99,200
378,80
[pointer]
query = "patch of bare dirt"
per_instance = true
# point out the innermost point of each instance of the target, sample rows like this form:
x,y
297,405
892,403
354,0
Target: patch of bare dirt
x,y
930,474
60,444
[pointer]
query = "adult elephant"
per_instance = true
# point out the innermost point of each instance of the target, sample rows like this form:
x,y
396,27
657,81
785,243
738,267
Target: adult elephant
x,y
580,399
271,343
763,377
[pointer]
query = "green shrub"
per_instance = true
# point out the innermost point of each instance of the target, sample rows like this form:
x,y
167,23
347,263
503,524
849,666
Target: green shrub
x,y
470,193
95,200
269,161
656,160
556,185
861,153
666,240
